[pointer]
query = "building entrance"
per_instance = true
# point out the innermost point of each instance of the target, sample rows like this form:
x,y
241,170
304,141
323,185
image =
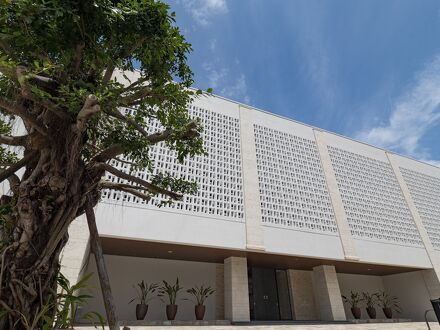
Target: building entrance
x,y
269,294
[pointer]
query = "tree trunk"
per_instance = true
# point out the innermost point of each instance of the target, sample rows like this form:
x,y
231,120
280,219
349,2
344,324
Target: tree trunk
x,y
29,282
33,232
102,270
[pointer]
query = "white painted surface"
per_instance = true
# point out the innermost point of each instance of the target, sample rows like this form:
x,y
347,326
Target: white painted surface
x,y
285,241
279,123
236,289
327,293
218,105
124,272
344,231
163,226
74,254
360,283
252,208
354,146
392,254
412,293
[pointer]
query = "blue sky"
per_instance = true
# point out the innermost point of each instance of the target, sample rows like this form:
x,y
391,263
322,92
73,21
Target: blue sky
x,y
369,70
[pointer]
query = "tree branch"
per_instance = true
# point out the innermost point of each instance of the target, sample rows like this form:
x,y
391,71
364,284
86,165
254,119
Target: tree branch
x,y
126,188
104,281
14,140
78,55
139,94
7,71
108,73
43,81
158,136
16,109
129,121
6,48
6,173
112,66
89,108
148,185
117,149
109,153
14,183
26,91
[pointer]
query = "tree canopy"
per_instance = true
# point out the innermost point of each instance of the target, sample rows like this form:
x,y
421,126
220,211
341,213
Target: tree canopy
x,y
58,60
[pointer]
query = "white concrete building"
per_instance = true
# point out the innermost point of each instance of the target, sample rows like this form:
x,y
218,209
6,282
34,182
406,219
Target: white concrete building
x,y
287,218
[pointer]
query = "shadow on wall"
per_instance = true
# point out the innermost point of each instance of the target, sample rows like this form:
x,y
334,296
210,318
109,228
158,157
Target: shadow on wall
x,y
124,272
409,288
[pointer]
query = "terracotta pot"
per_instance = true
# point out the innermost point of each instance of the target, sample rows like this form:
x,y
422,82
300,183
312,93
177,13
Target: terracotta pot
x,y
141,311
356,311
388,312
200,311
171,312
371,311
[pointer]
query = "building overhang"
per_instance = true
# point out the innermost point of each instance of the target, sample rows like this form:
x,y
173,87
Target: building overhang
x,y
160,250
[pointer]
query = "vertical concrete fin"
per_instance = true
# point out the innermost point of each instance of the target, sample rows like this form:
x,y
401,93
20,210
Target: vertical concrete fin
x,y
302,298
236,289
219,292
415,214
328,294
347,241
251,189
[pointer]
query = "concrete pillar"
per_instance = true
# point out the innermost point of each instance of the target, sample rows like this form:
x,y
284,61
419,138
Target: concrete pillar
x,y
236,289
416,216
302,298
76,250
219,292
327,294
251,189
347,240
432,283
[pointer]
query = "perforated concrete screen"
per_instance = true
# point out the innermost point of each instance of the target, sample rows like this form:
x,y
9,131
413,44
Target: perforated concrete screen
x,y
425,192
293,190
218,174
372,199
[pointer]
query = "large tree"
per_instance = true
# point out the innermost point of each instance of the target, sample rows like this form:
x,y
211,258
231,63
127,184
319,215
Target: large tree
x,y
58,60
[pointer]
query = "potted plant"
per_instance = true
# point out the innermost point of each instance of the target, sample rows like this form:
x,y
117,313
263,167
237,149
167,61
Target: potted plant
x,y
354,301
171,291
200,294
389,304
371,302
143,290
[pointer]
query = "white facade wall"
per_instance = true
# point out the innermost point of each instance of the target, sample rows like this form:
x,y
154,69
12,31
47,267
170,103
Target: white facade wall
x,y
269,184
412,293
360,283
295,205
124,272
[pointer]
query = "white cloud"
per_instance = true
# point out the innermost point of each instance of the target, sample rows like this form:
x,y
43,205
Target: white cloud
x,y
215,76
432,162
203,10
238,90
213,45
413,115
227,85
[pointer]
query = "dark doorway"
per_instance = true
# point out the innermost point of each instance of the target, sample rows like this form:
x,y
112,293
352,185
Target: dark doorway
x,y
269,294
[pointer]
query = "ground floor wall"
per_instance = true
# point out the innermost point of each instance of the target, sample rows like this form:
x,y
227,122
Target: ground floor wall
x,y
360,283
409,288
412,292
125,272
314,294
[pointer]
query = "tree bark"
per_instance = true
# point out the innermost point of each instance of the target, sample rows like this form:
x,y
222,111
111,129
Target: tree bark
x,y
102,270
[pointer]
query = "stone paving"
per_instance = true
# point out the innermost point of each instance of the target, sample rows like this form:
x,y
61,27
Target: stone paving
x,y
373,326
